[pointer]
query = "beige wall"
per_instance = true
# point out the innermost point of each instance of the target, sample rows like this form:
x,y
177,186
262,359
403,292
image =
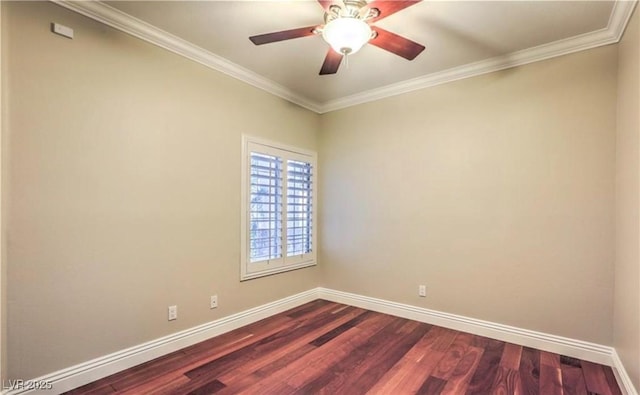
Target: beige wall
x,y
124,188
626,327
497,192
121,186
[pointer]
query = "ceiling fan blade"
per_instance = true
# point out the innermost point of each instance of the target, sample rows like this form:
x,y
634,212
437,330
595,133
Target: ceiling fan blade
x,y
282,35
390,7
331,62
396,44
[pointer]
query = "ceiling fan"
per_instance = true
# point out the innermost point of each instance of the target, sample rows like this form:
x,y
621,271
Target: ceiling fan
x,y
349,27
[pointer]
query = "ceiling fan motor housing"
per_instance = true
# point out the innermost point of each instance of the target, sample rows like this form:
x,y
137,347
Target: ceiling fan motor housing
x,y
352,8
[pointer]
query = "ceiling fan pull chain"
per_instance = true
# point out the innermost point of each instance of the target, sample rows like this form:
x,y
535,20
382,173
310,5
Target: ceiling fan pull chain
x,y
346,60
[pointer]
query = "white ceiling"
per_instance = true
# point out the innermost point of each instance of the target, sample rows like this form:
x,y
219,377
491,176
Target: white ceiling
x,y
462,38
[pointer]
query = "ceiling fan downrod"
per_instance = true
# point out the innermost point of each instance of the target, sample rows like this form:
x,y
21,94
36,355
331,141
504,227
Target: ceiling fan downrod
x,y
352,9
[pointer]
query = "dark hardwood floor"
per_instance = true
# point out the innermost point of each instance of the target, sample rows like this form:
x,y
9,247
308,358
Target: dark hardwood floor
x,y
328,348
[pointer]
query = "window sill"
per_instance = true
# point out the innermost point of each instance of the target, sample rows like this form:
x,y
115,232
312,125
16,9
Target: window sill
x,y
276,270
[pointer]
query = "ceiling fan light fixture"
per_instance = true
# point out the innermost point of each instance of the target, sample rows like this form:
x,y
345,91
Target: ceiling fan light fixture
x,y
346,35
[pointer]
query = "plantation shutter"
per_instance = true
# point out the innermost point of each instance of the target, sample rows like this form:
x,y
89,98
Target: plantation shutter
x,y
265,213
278,213
299,207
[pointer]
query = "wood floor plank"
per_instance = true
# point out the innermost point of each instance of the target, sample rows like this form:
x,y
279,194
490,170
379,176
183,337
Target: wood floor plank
x,y
463,372
263,355
306,308
550,359
595,378
506,382
408,374
305,330
511,356
482,380
269,325
611,380
383,357
573,380
351,367
318,361
329,348
409,380
317,369
96,389
453,356
132,377
530,371
550,379
432,386
149,371
442,338
155,366
211,387
324,338
243,360
165,385
242,383
480,341
207,351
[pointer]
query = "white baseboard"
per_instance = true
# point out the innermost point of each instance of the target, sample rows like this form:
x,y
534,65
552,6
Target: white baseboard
x,y
622,376
84,373
98,368
597,353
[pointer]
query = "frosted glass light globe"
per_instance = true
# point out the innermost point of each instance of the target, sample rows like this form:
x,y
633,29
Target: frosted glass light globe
x,y
346,35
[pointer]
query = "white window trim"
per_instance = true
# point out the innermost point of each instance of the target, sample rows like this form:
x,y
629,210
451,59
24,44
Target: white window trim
x,y
250,270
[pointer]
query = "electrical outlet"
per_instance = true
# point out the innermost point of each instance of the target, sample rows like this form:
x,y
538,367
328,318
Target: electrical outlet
x,y
214,301
422,291
173,313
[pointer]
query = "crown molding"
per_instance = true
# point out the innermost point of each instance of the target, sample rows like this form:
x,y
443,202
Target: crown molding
x,y
126,23
612,34
620,14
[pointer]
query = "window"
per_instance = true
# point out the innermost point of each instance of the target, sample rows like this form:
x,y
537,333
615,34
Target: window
x,y
278,208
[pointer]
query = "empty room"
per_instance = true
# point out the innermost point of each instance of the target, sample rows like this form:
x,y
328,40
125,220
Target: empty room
x,y
320,197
